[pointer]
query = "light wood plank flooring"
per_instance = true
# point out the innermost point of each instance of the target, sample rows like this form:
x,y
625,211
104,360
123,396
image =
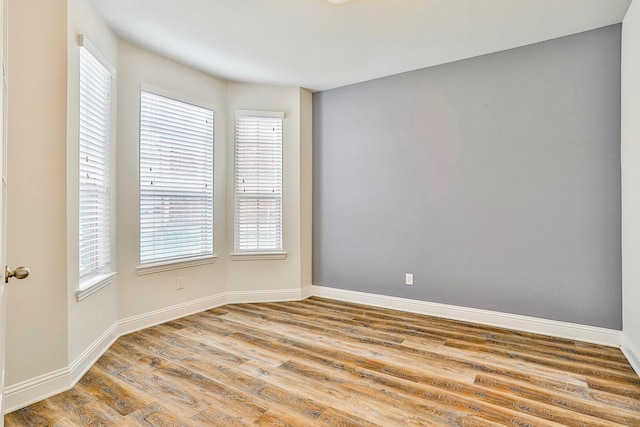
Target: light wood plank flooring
x,y
325,363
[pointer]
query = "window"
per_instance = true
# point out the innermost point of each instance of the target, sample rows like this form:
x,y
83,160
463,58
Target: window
x,y
258,182
94,165
176,180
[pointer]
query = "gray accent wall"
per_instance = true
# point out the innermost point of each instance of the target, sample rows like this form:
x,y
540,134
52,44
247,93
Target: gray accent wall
x,y
494,180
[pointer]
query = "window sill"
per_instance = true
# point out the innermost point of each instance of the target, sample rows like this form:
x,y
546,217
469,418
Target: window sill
x,y
93,285
175,264
255,256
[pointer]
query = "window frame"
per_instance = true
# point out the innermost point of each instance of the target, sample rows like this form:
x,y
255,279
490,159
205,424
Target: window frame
x,y
166,264
247,254
103,274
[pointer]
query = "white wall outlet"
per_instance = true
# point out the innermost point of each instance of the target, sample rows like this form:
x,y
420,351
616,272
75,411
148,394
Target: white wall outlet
x,y
180,283
408,279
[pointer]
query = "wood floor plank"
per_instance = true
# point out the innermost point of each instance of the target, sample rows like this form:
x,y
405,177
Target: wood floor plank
x,y
39,414
431,356
180,397
276,418
567,401
111,392
91,416
387,403
588,370
445,357
221,416
356,347
342,402
504,335
321,362
410,408
434,388
238,348
158,416
260,390
464,336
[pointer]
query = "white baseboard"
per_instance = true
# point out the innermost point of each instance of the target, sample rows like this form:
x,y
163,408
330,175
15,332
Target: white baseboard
x,y
27,392
306,292
554,328
156,317
276,295
632,353
91,354
33,390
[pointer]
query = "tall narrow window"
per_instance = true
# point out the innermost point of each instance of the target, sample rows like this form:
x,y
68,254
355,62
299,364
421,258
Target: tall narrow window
x,y
176,180
94,164
258,182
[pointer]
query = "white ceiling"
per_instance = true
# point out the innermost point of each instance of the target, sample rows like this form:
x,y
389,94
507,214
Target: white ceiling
x,y
320,45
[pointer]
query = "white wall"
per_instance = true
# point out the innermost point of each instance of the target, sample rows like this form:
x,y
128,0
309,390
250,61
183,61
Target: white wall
x,y
286,274
36,217
138,295
631,183
90,318
306,186
51,337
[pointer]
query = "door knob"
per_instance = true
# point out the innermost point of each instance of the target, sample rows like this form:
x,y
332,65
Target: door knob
x,y
18,273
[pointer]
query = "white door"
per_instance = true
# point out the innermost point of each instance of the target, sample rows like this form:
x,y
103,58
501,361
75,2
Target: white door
x,y
3,192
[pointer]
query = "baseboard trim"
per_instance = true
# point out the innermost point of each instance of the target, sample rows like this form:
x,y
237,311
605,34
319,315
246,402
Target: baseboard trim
x,y
88,358
156,317
306,292
27,392
276,295
33,390
632,353
536,325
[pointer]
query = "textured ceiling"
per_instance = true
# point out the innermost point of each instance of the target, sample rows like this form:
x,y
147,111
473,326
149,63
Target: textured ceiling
x,y
320,45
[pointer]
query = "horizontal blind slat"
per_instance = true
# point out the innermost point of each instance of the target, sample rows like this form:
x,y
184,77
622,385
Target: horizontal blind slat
x,y
94,225
176,179
258,183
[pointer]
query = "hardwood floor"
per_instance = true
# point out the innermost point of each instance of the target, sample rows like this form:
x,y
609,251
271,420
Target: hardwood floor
x,y
325,363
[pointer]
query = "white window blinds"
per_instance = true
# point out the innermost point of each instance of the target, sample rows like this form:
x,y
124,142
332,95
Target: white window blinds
x,y
176,179
94,166
258,181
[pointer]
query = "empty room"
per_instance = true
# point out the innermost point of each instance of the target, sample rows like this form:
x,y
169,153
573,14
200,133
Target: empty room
x,y
320,213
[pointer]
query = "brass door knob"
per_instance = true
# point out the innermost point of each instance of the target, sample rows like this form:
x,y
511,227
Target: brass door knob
x,y
18,273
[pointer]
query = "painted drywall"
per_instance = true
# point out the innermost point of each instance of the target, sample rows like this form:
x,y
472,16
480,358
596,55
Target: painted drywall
x,y
494,180
631,178
90,318
36,191
142,294
306,188
70,334
260,275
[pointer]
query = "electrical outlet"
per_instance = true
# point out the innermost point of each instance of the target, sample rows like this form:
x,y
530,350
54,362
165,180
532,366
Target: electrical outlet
x,y
408,279
180,283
